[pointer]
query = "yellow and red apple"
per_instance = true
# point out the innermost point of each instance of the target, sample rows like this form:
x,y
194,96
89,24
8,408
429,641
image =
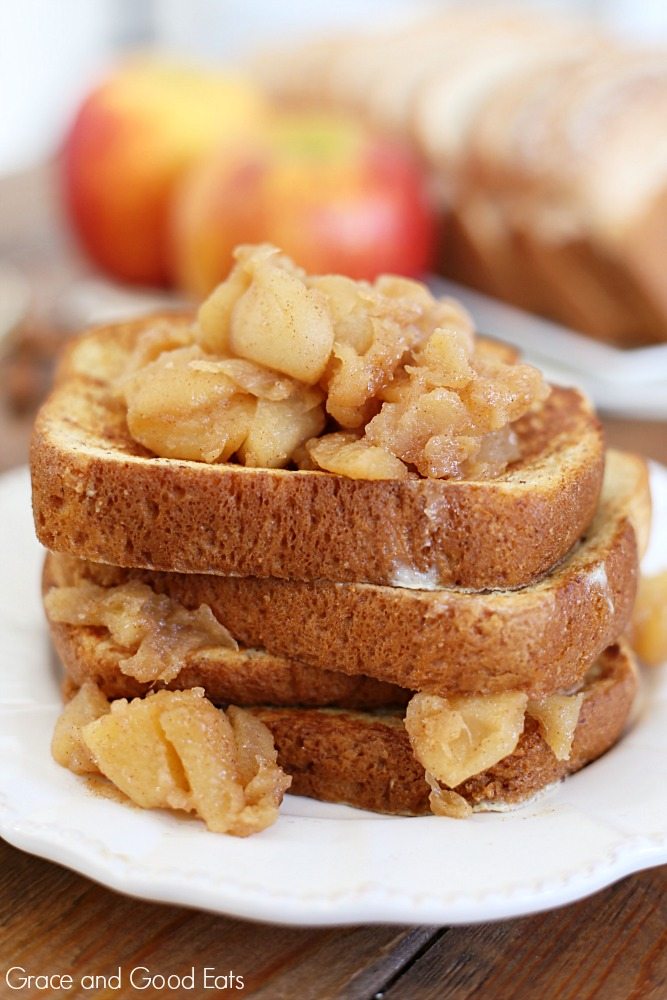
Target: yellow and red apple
x,y
331,194
133,138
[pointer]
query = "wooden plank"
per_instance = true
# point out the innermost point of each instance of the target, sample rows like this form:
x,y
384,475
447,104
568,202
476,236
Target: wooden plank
x,y
612,946
54,921
350,963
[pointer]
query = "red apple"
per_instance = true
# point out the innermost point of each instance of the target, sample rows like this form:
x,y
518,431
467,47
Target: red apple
x,y
334,196
133,138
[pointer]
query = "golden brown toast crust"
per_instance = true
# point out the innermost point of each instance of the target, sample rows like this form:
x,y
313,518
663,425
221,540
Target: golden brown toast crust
x,y
536,639
99,495
365,760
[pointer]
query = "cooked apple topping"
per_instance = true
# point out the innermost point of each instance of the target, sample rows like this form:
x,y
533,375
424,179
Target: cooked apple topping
x,y
445,802
162,336
456,738
393,375
175,750
155,630
67,746
649,622
207,417
355,457
557,716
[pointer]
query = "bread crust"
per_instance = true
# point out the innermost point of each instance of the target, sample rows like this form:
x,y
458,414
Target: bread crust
x,y
99,495
365,760
537,639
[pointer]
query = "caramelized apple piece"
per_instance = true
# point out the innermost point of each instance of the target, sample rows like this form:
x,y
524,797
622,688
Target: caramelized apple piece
x,y
157,630
445,802
67,746
255,379
557,715
279,428
214,315
649,622
151,343
348,455
280,323
457,737
212,330
175,750
176,409
347,302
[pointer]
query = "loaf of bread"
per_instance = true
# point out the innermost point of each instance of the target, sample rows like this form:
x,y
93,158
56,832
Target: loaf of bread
x,y
546,140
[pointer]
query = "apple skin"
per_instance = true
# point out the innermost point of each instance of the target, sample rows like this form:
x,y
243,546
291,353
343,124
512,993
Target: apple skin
x,y
331,194
134,136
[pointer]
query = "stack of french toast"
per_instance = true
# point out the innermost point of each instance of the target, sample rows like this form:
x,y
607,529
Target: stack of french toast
x,y
545,138
402,558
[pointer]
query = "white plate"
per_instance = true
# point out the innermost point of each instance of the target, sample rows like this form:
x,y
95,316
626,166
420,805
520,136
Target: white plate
x,y
319,864
629,382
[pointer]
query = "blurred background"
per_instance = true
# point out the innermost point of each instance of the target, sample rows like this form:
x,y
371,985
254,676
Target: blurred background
x,y
71,42
86,233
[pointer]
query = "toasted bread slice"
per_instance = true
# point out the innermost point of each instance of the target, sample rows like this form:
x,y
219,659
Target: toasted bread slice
x,y
365,759
240,677
101,496
537,639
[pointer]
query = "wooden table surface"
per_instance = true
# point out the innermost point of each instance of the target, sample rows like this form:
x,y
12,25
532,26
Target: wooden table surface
x,y
612,946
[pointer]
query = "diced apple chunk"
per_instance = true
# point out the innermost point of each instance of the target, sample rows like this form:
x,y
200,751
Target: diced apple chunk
x,y
347,301
67,745
129,748
237,420
347,455
177,408
256,380
277,430
213,318
557,716
445,802
280,323
649,621
457,737
175,750
158,631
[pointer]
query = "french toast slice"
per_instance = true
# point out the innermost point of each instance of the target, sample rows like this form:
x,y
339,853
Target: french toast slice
x,y
243,676
101,496
448,640
364,759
